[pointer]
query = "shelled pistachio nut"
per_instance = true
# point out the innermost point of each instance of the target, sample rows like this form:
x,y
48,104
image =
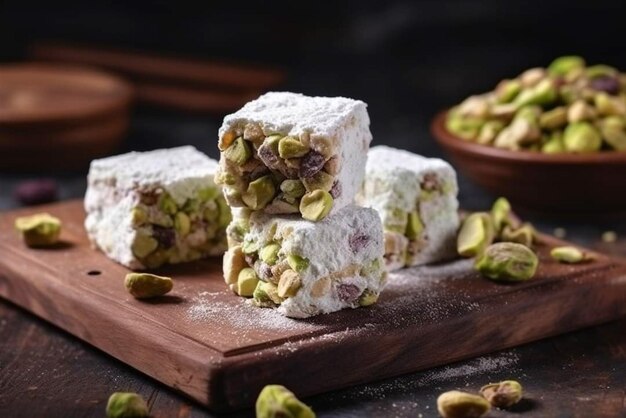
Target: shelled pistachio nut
x,y
182,223
315,205
368,298
247,281
503,394
39,230
297,263
291,147
568,254
266,295
269,253
524,235
234,262
414,226
581,137
457,404
477,232
143,245
145,285
319,181
126,405
507,261
238,152
260,192
293,188
276,401
289,284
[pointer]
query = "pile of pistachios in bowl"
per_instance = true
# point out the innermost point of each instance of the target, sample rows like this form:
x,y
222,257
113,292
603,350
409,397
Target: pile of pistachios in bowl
x,y
568,107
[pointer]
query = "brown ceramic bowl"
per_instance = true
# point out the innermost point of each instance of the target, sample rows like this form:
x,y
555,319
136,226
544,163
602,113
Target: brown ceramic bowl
x,y
560,184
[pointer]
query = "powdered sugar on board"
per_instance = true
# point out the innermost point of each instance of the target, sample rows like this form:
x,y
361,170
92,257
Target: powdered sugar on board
x,y
414,296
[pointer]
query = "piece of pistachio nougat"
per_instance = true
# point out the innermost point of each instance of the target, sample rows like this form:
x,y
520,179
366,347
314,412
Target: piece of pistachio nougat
x,y
286,153
416,198
145,209
306,268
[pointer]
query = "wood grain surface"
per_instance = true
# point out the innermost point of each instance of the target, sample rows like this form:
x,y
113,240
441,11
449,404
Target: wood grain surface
x,y
212,346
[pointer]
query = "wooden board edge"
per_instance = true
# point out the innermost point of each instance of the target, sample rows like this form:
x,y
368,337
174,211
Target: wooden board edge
x,y
191,377
350,363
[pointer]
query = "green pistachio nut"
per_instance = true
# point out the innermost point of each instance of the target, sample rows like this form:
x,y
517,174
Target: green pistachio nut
x,y
457,404
477,232
269,253
266,295
247,281
489,132
145,285
520,132
543,93
234,262
315,205
39,230
224,177
524,235
319,181
297,263
126,405
601,70
156,259
530,113
608,105
291,147
143,245
277,401
368,298
474,107
507,261
208,193
182,223
502,394
614,132
289,284
414,226
260,192
507,90
580,111
238,152
167,204
464,127
225,214
553,119
563,65
554,144
501,213
581,137
532,76
293,188
139,216
249,246
568,254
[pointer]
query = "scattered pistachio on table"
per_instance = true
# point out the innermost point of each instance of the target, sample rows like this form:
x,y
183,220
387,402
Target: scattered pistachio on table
x,y
609,236
569,255
146,285
507,261
502,394
568,107
39,230
126,405
277,401
457,404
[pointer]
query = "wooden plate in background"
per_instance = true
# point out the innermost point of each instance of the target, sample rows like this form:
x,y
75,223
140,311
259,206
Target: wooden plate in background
x,y
59,117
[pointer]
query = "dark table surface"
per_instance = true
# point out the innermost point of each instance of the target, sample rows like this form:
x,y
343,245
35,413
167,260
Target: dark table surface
x,y
45,372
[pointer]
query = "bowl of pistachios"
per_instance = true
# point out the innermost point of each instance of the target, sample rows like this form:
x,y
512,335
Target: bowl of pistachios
x,y
552,140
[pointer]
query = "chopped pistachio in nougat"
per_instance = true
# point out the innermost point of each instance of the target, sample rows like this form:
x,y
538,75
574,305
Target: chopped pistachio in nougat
x,y
306,268
416,199
152,208
286,153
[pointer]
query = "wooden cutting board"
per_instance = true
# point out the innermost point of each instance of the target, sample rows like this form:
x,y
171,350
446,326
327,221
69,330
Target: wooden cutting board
x,y
213,346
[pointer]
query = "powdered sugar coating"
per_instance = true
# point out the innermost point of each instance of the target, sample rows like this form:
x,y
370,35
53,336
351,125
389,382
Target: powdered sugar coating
x,y
398,182
293,114
114,188
329,247
180,171
338,124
